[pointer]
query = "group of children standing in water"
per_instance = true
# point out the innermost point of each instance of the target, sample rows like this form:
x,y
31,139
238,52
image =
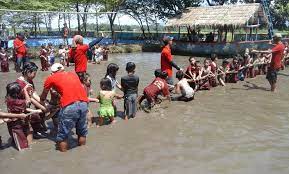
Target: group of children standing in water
x,y
25,123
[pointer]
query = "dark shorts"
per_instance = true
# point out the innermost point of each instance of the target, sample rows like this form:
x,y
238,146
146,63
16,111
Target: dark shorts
x,y
272,76
130,105
170,81
71,116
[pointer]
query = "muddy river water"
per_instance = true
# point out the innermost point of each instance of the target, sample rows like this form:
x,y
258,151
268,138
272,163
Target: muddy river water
x,y
237,129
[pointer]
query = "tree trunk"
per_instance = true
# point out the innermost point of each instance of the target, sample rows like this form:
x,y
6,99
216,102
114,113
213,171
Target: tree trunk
x,y
69,22
97,27
35,25
49,21
38,21
111,18
78,18
59,18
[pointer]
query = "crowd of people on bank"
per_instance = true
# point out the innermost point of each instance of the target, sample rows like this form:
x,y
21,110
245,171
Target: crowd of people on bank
x,y
70,92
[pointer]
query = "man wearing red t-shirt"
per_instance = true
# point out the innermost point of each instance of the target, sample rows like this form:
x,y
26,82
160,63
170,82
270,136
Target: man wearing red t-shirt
x,y
73,102
167,62
78,53
20,51
276,62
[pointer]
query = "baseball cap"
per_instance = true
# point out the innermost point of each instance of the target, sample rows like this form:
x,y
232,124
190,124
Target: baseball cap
x,y
56,67
278,35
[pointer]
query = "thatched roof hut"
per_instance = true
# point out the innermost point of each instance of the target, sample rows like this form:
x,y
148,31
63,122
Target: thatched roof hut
x,y
229,16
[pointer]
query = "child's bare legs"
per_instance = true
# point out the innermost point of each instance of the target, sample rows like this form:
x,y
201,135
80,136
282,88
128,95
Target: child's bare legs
x,y
89,119
100,121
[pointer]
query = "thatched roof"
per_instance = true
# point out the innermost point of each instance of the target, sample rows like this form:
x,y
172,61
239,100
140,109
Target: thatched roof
x,y
234,16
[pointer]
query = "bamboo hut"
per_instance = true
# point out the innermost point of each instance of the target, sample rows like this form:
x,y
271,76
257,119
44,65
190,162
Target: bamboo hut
x,y
223,18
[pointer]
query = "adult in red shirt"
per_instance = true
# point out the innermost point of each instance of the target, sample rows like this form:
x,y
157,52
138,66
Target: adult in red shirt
x,y
78,53
167,62
276,62
20,51
73,102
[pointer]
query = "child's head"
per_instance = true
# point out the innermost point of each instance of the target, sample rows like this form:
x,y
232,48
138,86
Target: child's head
x,y
225,62
130,67
192,60
179,75
206,63
164,75
84,78
29,70
198,64
13,90
214,57
158,73
112,69
235,60
61,46
105,84
49,45
43,46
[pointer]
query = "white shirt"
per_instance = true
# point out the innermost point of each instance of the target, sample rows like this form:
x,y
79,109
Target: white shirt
x,y
186,90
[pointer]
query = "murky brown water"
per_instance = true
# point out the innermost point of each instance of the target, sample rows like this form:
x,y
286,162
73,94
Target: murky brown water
x,y
238,129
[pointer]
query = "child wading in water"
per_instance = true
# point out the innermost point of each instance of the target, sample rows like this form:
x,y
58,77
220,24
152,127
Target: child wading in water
x,y
129,84
184,88
19,129
4,61
158,86
111,72
44,58
106,97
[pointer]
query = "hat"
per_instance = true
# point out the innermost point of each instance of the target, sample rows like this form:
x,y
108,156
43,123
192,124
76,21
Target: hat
x,y
56,67
277,35
168,38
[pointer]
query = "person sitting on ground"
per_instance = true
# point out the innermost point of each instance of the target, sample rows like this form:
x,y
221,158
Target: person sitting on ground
x,y
106,96
222,71
206,76
73,103
129,84
184,88
232,75
4,60
157,87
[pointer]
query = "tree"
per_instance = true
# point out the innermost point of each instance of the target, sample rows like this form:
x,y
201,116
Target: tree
x,y
112,6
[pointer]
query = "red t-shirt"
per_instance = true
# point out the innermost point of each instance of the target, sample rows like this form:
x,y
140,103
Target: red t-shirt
x,y
277,54
20,48
159,85
69,87
79,57
166,58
